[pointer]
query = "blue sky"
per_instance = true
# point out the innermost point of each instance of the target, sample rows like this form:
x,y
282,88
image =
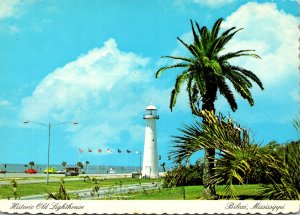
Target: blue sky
x,y
95,61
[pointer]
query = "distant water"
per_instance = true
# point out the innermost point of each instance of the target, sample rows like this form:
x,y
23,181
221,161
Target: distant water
x,y
92,169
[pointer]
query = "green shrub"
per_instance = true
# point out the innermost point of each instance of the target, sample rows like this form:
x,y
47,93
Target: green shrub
x,y
184,176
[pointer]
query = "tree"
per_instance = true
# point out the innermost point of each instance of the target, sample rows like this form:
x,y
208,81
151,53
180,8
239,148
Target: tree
x,y
207,72
163,166
64,164
31,164
239,161
87,163
80,165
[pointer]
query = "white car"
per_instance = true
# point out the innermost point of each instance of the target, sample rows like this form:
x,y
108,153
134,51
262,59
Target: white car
x,y
60,172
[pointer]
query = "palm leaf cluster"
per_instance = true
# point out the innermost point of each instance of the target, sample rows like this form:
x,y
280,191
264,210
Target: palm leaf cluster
x,y
207,69
286,183
237,159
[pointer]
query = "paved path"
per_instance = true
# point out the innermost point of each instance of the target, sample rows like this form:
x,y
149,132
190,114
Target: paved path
x,y
105,192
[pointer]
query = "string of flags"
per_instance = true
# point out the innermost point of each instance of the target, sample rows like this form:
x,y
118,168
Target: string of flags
x,y
108,150
118,151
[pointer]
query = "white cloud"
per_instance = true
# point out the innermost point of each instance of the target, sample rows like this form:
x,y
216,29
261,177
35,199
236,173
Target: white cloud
x,y
273,34
106,90
8,8
213,3
4,103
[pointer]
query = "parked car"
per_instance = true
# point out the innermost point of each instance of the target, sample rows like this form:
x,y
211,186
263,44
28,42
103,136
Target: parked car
x,y
60,172
71,173
3,171
30,171
112,171
136,175
51,170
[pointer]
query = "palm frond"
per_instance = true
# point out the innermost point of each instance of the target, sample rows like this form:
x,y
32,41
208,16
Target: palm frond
x,y
174,94
196,37
158,73
248,74
227,93
216,28
239,53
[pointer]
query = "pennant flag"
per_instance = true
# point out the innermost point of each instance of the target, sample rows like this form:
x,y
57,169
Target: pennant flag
x,y
99,150
108,150
80,150
89,150
119,151
128,151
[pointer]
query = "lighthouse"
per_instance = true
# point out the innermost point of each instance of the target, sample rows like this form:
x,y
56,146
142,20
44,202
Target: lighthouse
x,y
150,159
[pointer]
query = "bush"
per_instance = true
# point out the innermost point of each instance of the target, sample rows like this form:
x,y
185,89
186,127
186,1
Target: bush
x,y
184,175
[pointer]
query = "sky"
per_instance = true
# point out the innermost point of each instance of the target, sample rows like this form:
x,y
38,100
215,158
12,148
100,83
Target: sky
x,y
94,62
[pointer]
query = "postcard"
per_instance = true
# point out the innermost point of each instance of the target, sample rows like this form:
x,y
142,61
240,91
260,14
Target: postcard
x,y
149,107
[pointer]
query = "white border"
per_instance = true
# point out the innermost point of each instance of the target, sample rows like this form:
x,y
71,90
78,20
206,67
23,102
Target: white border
x,y
150,206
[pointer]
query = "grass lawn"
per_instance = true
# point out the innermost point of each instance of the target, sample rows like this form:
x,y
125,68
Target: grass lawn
x,y
176,193
6,191
191,193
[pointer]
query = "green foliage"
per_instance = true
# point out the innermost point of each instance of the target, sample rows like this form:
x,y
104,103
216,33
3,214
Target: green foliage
x,y
86,178
296,123
31,164
64,163
285,184
95,191
14,187
205,72
80,165
239,161
184,175
61,194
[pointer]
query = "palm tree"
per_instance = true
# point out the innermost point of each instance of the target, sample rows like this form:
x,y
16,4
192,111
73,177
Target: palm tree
x,y
207,72
80,165
231,142
163,166
87,163
31,164
64,163
239,160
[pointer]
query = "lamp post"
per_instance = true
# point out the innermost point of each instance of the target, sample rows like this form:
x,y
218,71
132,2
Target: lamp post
x,y
49,125
138,152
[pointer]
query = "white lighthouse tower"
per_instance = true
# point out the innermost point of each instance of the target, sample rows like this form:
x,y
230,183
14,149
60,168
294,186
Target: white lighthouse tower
x,y
150,160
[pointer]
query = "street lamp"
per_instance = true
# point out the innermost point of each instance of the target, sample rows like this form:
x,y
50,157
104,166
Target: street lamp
x,y
49,125
140,153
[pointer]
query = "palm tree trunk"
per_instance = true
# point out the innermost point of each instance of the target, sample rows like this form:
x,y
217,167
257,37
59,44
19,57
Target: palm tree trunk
x,y
209,160
209,164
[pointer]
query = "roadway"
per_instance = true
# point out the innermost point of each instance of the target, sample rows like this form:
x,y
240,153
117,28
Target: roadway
x,y
22,178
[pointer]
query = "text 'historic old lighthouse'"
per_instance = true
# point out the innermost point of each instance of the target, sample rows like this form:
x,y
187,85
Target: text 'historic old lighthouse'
x,y
150,161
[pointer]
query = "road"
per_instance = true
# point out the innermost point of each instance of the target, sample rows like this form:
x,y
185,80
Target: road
x,y
105,192
21,178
